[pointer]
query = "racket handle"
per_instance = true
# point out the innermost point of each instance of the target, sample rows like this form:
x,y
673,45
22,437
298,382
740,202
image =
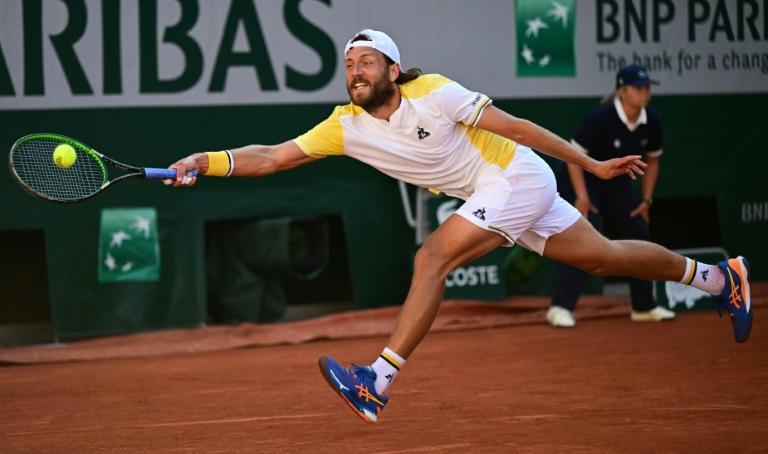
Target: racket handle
x,y
152,173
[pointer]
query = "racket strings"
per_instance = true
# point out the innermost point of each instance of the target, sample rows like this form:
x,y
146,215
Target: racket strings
x,y
33,163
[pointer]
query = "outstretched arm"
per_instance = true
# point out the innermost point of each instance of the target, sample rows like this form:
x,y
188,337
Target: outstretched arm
x,y
532,135
249,161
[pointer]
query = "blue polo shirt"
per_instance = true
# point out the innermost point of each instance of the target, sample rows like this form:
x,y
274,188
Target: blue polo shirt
x,y
606,133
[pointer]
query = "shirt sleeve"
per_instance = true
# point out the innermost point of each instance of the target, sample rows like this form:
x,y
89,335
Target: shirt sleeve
x,y
655,137
461,105
325,139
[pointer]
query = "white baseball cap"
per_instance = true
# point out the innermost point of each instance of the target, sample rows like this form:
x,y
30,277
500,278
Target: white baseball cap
x,y
377,40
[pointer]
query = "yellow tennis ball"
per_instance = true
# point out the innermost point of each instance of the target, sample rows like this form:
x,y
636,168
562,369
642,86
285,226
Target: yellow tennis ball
x,y
64,156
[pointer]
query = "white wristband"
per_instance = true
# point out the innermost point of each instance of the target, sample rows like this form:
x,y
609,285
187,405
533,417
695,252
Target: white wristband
x,y
231,162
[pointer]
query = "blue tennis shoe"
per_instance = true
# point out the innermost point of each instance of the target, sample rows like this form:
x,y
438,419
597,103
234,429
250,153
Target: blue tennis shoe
x,y
735,298
355,386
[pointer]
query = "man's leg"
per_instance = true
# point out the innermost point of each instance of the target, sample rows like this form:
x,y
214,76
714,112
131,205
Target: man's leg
x,y
621,225
569,283
582,246
644,307
454,243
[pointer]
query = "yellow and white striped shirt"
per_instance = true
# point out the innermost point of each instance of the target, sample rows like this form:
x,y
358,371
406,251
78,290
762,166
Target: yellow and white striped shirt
x,y
430,141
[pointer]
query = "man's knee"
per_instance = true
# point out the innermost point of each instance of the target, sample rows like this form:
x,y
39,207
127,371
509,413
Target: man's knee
x,y
430,260
599,267
602,262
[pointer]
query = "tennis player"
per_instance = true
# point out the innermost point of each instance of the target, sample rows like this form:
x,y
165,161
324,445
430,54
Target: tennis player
x,y
430,131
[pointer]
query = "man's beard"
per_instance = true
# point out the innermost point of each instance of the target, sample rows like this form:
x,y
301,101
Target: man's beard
x,y
381,92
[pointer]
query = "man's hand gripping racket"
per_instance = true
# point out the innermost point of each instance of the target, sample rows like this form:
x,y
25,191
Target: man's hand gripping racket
x,y
187,169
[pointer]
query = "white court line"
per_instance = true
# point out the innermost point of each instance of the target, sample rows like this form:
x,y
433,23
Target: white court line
x,y
178,424
231,420
427,448
710,407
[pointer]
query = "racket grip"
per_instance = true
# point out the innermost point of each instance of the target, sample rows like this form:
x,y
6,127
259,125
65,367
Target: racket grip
x,y
152,173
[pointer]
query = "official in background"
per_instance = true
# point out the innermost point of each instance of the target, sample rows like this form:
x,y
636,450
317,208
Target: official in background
x,y
622,125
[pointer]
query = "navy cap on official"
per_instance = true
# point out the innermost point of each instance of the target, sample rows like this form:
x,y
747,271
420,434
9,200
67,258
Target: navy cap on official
x,y
634,75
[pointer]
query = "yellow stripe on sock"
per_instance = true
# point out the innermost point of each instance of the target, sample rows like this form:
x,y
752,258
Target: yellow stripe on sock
x,y
692,273
395,363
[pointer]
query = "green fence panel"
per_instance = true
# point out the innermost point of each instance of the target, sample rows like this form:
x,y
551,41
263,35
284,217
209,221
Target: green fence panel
x,y
717,154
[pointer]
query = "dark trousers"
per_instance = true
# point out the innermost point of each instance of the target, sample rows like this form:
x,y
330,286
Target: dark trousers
x,y
614,203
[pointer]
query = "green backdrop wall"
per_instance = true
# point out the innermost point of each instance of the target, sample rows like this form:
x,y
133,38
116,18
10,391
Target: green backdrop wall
x,y
714,147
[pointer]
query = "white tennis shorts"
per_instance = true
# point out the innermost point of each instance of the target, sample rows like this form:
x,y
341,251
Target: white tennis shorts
x,y
520,202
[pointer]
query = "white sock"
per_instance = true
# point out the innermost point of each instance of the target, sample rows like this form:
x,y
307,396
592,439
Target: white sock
x,y
386,366
704,277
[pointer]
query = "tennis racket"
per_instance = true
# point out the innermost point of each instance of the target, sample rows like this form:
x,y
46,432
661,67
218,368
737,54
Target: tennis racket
x,y
32,165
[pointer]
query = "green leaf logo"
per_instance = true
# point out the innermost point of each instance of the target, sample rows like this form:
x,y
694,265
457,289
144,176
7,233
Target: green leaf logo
x,y
545,38
129,248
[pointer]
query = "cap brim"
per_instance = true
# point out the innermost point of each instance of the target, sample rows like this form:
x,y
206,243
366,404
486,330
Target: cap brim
x,y
641,84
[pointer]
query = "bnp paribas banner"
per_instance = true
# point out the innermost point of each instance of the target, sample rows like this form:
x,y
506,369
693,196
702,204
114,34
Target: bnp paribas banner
x,y
87,53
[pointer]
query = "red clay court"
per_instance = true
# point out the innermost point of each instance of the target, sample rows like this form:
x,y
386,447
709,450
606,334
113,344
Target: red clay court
x,y
491,378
